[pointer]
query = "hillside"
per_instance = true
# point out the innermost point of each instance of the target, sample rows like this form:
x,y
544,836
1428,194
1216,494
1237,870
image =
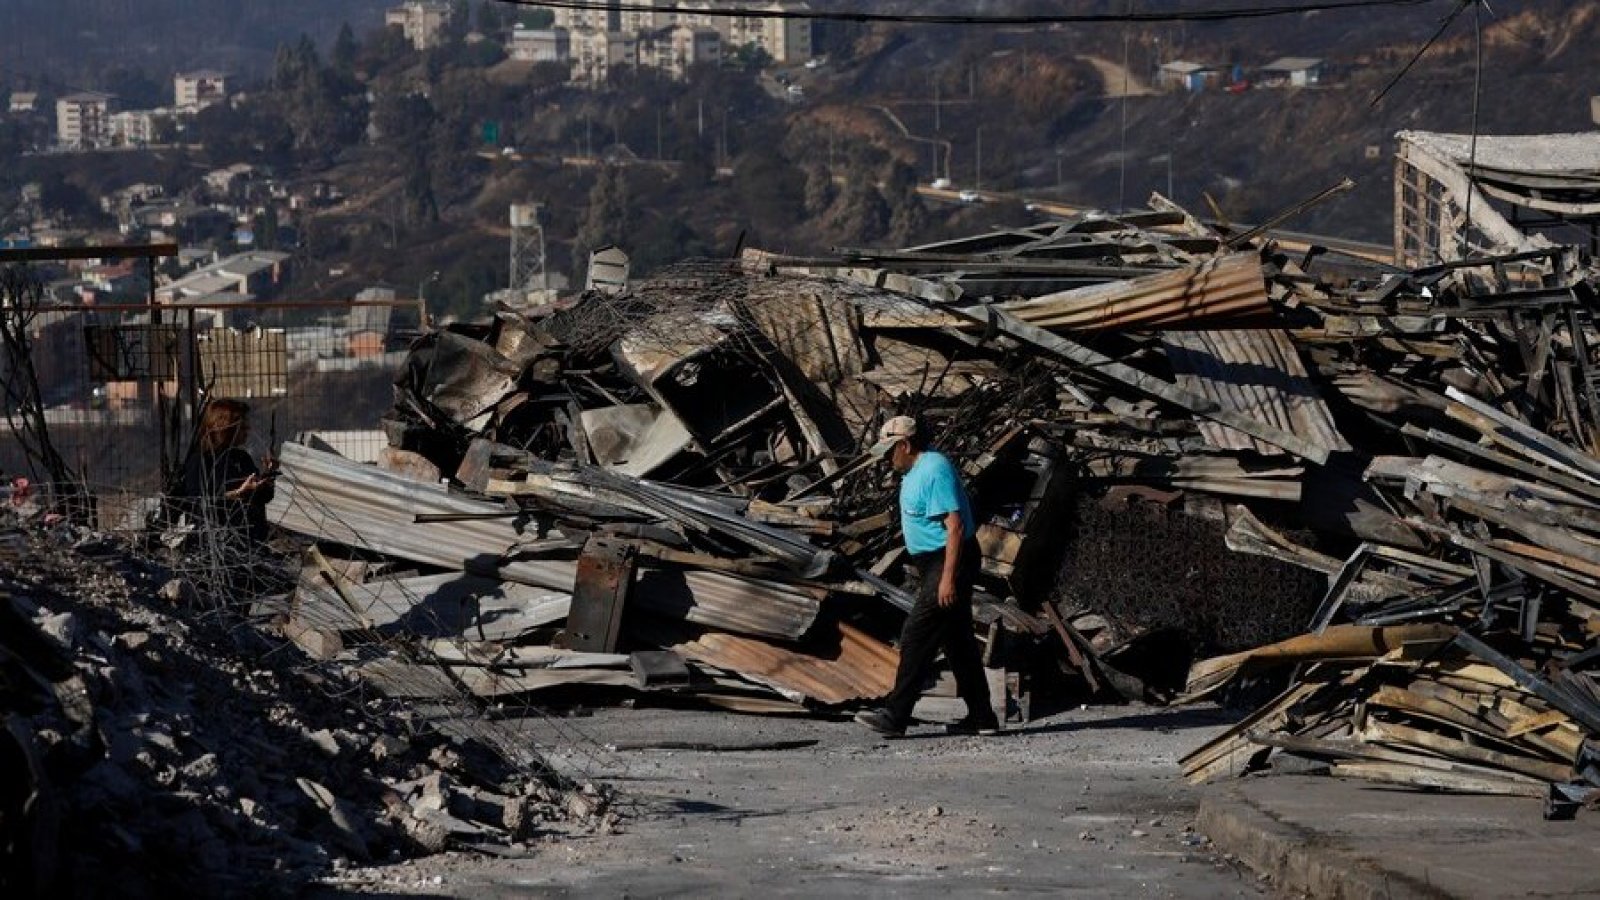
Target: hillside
x,y
723,157
70,43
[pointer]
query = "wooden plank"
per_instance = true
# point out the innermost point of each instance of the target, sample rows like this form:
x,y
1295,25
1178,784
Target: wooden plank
x,y
1232,752
1537,722
1392,733
1078,662
1393,773
1580,712
1520,436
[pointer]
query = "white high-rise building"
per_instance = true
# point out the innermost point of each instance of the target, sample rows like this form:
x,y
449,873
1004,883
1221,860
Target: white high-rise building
x,y
83,120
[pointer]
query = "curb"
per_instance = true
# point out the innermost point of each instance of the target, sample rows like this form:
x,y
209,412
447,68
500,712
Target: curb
x,y
1295,859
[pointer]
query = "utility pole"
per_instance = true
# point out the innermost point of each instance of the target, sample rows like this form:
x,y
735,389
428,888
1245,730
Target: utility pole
x,y
978,175
937,126
700,119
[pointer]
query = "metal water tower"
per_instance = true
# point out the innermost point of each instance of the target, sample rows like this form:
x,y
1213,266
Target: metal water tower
x,y
527,248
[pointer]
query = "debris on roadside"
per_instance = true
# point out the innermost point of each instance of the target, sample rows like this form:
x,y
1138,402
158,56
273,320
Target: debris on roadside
x,y
157,748
664,489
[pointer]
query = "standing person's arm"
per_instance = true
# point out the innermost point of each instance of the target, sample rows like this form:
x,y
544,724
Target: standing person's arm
x,y
954,538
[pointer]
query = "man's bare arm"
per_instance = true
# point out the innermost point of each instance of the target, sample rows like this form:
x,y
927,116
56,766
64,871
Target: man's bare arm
x,y
954,538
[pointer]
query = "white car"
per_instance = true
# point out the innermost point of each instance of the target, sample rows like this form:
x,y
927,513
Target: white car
x,y
970,196
940,184
815,63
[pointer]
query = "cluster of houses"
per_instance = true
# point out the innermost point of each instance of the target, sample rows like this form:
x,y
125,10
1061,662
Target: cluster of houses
x,y
604,37
90,120
1285,72
594,41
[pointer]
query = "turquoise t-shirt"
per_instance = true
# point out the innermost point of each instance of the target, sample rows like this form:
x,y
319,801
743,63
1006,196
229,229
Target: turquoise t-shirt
x,y
930,491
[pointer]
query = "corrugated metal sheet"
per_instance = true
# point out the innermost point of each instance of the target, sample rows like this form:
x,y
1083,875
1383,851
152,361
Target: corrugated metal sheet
x,y
331,498
1226,290
1256,373
450,604
326,496
854,666
727,601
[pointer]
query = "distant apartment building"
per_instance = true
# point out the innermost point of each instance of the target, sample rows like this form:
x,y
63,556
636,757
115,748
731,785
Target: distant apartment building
x,y
598,17
674,36
785,40
83,120
135,127
596,54
194,91
540,45
675,50
421,21
23,102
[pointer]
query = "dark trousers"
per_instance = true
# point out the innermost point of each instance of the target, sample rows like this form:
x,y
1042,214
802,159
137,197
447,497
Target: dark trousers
x,y
930,627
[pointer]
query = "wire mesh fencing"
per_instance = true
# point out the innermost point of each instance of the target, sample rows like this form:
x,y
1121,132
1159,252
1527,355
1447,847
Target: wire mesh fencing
x,y
122,390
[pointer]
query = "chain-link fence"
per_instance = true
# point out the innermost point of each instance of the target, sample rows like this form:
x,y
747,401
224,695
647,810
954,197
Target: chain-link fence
x,y
121,385
121,389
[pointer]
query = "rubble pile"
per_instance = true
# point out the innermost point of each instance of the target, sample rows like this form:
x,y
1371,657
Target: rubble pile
x,y
153,748
665,487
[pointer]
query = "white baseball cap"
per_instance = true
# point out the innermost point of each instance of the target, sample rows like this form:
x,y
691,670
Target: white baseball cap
x,y
896,429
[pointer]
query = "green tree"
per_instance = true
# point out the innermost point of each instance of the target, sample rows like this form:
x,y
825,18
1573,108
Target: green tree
x,y
750,58
665,240
605,221
537,18
58,195
266,228
820,189
860,214
491,20
907,213
345,50
459,22
771,190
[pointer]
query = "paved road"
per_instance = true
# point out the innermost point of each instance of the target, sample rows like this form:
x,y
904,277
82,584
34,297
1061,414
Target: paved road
x,y
1086,804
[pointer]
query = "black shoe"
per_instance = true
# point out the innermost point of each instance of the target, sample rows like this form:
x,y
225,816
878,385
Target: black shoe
x,y
880,721
987,726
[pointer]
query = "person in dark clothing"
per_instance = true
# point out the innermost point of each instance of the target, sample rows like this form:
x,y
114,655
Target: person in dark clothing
x,y
941,536
223,484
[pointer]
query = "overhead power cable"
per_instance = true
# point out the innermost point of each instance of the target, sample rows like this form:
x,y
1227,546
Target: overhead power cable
x,y
1195,15
1461,5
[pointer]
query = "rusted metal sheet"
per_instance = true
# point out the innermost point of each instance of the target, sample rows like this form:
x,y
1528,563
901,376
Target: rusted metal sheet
x,y
600,598
1226,291
1256,373
846,665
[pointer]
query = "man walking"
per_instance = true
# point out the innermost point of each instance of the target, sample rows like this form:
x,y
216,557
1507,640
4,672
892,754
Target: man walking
x,y
941,536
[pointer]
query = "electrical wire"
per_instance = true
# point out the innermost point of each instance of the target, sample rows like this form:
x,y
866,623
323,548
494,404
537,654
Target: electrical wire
x,y
1203,15
1461,5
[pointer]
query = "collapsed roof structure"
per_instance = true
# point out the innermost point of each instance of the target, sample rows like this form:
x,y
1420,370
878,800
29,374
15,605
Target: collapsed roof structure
x,y
664,488
1459,195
